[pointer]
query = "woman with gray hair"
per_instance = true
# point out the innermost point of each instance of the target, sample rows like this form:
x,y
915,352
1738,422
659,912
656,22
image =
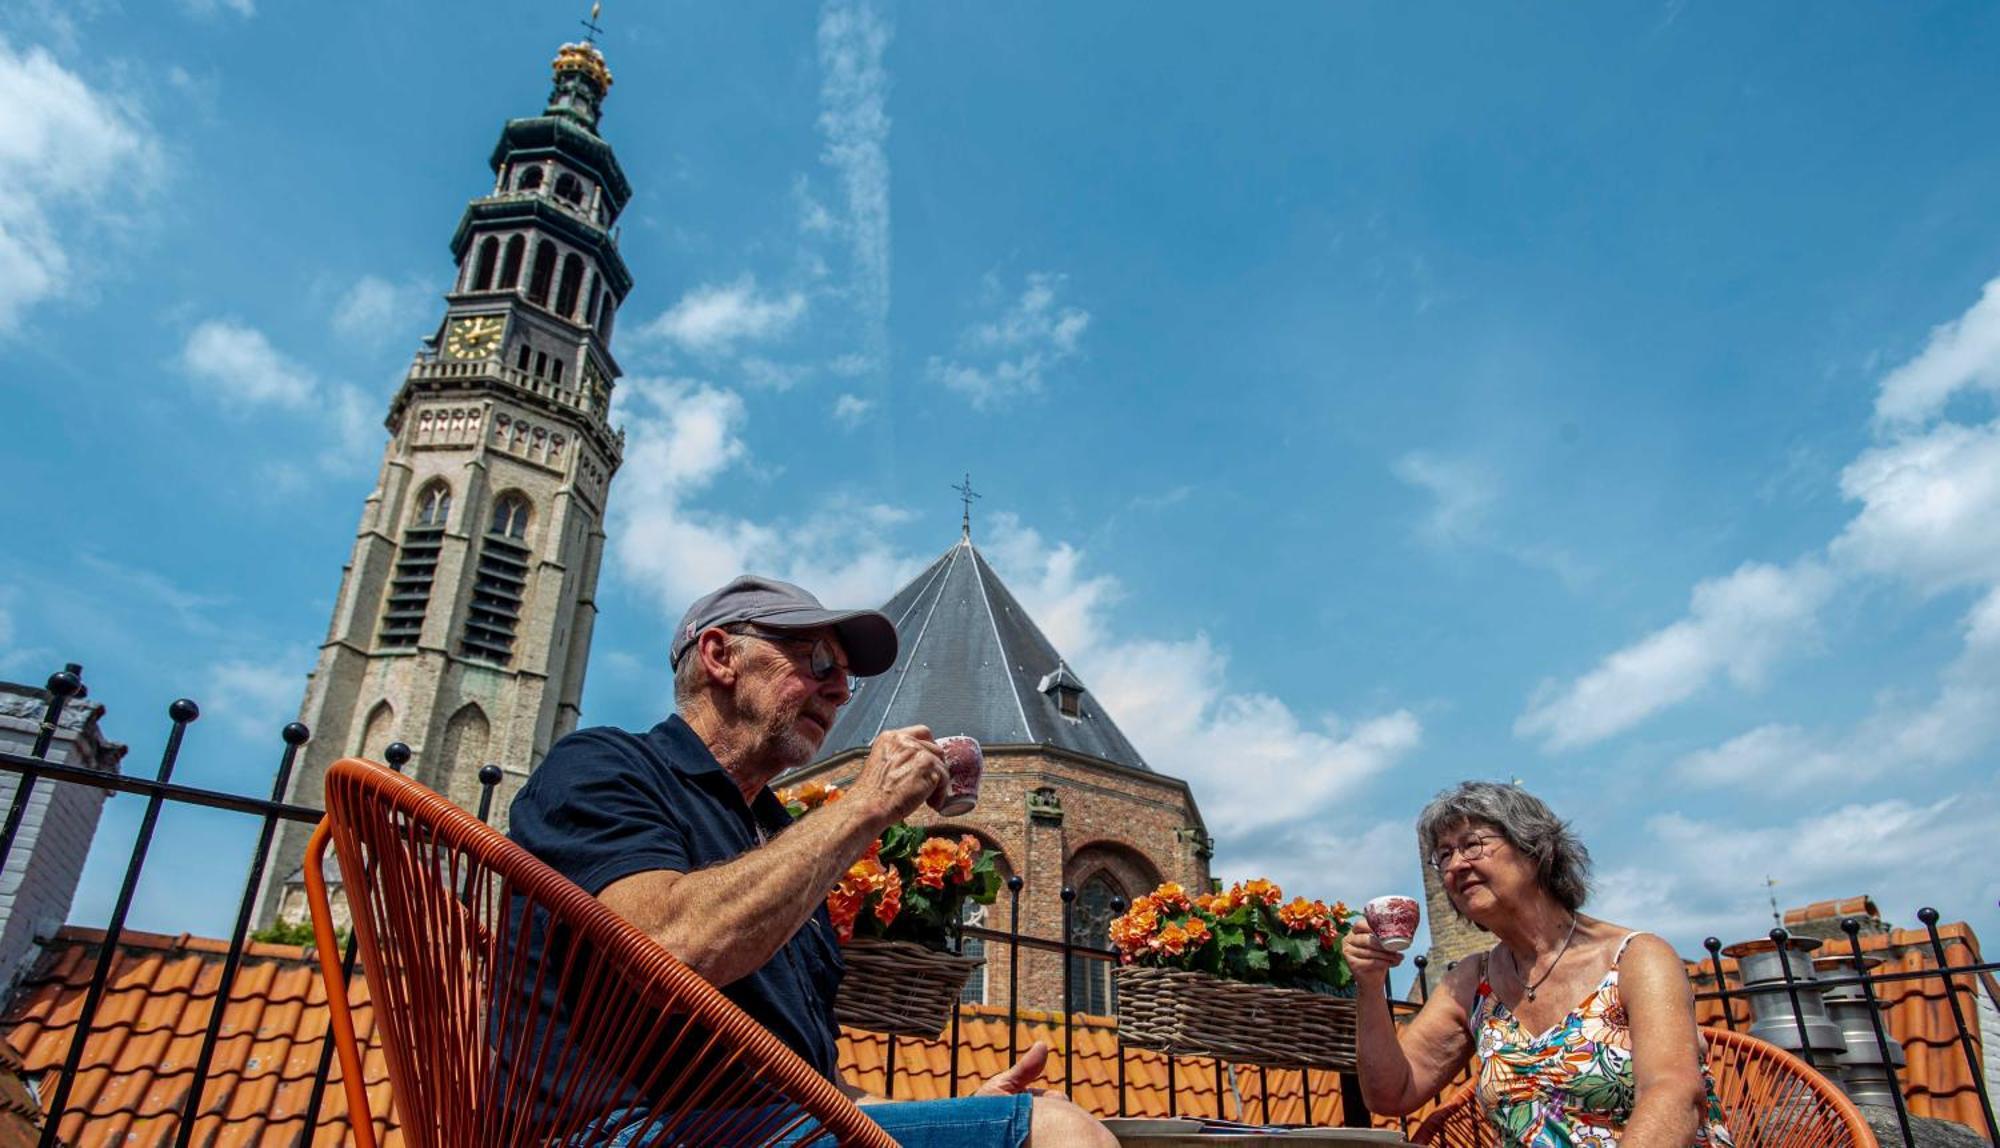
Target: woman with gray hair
x,y
1584,1030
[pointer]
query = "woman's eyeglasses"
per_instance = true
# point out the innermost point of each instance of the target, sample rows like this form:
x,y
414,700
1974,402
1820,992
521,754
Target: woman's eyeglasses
x,y
1472,849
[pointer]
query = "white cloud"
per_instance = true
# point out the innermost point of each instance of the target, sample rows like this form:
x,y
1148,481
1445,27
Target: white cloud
x,y
713,318
854,132
1930,503
375,310
1461,494
1962,353
851,410
766,375
235,365
1899,739
240,368
1707,877
1736,627
682,435
71,158
256,698
1007,356
1929,496
1170,698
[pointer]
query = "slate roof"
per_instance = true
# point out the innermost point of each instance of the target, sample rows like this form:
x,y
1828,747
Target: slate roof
x,y
973,662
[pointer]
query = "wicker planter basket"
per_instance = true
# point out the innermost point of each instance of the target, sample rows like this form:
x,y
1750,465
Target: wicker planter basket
x,y
1169,1010
899,987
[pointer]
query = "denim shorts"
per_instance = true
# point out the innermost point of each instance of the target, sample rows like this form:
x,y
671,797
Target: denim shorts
x,y
968,1122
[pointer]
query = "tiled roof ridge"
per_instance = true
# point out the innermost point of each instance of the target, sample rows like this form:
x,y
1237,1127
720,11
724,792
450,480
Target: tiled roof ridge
x,y
181,943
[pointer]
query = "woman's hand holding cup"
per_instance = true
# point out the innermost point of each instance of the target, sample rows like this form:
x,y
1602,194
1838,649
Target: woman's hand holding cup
x,y
1366,956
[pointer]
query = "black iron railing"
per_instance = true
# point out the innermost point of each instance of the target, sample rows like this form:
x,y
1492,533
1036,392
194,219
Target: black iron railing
x,y
35,769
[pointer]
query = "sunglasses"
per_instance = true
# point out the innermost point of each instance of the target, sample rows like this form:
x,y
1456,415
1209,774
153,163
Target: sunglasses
x,y
820,662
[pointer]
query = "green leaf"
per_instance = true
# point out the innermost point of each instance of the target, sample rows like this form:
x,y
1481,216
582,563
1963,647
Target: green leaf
x,y
901,841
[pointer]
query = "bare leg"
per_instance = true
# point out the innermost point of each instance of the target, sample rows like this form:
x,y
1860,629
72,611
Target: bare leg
x,y
1055,1122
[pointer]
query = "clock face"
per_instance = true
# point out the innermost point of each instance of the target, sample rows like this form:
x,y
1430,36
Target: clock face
x,y
473,338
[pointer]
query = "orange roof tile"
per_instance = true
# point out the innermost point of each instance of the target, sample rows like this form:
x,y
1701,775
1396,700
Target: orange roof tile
x,y
139,1061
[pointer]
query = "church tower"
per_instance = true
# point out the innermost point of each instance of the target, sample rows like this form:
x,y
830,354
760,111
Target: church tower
x,y
464,616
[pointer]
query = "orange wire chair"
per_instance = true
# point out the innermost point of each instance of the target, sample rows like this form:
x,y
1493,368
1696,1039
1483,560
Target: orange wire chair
x,y
470,946
1770,1099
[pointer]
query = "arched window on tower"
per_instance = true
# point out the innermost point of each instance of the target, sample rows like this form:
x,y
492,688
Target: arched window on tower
x,y
604,317
482,269
572,282
545,270
416,568
1090,924
500,583
531,178
434,505
590,313
510,517
510,267
569,188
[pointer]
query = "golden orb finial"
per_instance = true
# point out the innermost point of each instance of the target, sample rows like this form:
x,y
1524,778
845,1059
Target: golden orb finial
x,y
584,58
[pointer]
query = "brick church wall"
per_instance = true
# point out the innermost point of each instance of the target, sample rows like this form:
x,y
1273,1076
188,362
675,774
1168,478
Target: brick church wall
x,y
1135,827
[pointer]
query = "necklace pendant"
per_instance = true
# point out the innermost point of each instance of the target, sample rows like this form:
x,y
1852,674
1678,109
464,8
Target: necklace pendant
x,y
1531,994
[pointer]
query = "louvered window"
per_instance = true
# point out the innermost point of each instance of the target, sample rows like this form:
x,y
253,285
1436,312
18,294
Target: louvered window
x,y
416,568
500,584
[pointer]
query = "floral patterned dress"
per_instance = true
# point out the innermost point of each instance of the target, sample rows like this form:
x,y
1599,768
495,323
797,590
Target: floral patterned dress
x,y
1571,1086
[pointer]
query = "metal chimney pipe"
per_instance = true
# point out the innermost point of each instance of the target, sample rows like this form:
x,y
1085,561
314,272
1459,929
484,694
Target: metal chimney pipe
x,y
1789,1009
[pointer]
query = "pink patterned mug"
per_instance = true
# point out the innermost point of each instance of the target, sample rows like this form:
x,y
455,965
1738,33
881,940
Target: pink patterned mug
x,y
966,763
1394,920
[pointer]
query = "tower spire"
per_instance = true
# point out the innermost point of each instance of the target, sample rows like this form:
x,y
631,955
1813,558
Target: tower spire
x,y
965,495
591,24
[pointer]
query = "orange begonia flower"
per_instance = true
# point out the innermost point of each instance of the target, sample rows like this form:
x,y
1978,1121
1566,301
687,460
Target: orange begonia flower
x,y
935,858
1258,889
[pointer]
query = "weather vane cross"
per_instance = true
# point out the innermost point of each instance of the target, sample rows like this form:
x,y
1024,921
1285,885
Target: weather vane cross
x,y
591,23
965,495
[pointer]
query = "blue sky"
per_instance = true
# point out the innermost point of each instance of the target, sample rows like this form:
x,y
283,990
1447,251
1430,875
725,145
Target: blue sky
x,y
1364,397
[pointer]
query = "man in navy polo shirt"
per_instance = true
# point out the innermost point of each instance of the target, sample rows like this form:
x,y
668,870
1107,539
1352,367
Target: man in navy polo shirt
x,y
676,829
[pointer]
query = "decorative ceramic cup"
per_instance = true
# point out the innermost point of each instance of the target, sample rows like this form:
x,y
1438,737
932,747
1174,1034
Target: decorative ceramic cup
x,y
1394,920
962,757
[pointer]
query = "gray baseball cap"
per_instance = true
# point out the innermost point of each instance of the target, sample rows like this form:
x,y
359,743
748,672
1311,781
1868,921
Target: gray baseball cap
x,y
868,636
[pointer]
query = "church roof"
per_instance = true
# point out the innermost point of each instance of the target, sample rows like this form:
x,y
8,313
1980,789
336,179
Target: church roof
x,y
973,662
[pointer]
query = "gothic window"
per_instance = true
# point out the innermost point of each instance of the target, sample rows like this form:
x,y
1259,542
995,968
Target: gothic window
x,y
510,517
434,505
545,270
569,188
541,363
572,282
556,371
510,267
482,274
530,179
590,314
521,360
1090,924
604,318
500,583
416,568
